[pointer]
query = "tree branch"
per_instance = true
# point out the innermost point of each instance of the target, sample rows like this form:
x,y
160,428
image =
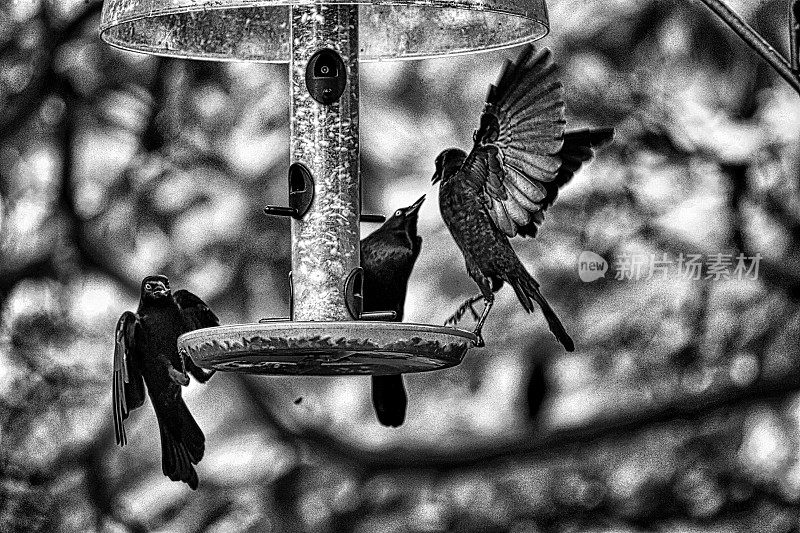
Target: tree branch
x,y
794,33
88,256
41,268
755,41
533,444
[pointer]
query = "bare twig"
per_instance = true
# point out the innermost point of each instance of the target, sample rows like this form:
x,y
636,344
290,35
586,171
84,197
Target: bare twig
x,y
794,34
755,41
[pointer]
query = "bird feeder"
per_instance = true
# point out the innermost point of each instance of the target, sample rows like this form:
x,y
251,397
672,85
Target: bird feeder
x,y
323,42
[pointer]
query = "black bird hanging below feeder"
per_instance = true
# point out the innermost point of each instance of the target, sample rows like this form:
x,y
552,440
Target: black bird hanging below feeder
x,y
388,255
324,42
146,353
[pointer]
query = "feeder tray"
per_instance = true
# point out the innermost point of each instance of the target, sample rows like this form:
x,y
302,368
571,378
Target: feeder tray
x,y
327,348
324,42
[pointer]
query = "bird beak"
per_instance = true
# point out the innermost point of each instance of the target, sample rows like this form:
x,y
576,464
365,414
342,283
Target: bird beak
x,y
413,208
437,176
160,290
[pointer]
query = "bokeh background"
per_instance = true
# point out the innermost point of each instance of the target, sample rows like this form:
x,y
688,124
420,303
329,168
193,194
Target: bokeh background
x,y
679,411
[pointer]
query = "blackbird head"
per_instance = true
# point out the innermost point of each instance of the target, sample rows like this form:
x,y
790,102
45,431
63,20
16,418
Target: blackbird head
x,y
154,288
405,219
448,163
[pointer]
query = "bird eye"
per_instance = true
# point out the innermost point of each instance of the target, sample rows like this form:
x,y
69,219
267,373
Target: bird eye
x,y
398,212
148,286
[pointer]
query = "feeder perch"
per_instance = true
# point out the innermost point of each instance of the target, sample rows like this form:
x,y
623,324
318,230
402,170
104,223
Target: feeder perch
x,y
323,42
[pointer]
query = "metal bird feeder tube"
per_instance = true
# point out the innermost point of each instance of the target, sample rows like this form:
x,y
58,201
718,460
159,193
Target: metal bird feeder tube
x,y
323,43
324,138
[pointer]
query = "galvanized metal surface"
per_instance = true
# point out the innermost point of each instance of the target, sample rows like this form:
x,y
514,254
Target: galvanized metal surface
x,y
325,242
258,30
326,348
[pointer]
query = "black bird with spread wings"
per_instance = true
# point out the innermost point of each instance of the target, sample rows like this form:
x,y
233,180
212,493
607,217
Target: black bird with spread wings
x,y
146,352
387,256
521,156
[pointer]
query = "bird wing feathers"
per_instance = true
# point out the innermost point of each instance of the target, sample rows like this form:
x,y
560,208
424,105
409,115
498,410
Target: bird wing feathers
x,y
579,147
128,386
518,154
196,314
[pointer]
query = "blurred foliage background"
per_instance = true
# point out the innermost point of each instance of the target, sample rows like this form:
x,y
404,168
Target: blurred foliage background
x,y
680,410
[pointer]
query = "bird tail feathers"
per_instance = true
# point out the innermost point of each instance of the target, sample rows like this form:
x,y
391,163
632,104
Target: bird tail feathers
x,y
527,290
182,445
389,399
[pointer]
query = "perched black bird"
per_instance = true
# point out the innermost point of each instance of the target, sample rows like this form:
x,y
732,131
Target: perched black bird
x,y
387,257
521,156
146,351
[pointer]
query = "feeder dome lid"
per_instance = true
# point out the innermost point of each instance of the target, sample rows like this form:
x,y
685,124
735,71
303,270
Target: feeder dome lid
x,y
258,30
